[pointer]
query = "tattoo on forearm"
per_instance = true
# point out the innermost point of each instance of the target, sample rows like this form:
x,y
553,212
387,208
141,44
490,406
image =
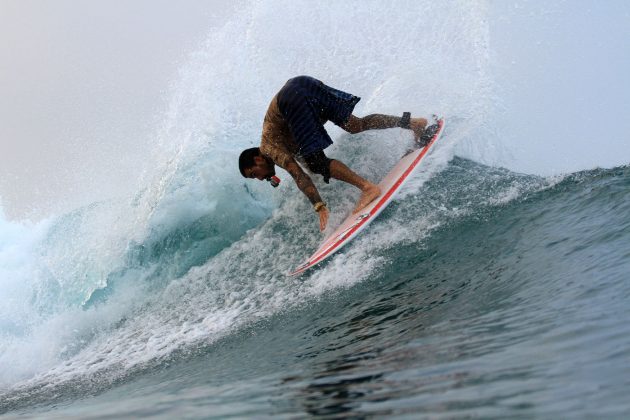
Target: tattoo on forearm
x,y
305,184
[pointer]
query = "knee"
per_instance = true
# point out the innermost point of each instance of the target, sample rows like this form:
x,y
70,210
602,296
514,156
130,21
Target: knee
x,y
319,166
319,163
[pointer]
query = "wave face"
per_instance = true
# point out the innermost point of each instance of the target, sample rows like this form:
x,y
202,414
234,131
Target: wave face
x,y
479,282
479,291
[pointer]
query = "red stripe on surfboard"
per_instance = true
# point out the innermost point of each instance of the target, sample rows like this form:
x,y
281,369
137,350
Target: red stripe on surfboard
x,y
375,209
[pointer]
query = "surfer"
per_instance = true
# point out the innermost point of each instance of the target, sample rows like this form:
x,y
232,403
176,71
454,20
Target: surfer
x,y
293,130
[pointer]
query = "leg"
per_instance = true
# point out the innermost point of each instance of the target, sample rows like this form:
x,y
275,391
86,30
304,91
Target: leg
x,y
321,164
370,122
380,121
369,191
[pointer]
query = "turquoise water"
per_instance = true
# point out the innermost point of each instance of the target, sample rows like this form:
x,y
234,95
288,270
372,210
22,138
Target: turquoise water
x,y
479,292
507,308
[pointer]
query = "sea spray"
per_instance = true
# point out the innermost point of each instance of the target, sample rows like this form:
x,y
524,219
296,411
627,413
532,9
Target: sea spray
x,y
127,282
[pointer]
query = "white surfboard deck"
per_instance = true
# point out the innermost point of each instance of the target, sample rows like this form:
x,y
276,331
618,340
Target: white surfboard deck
x,y
355,223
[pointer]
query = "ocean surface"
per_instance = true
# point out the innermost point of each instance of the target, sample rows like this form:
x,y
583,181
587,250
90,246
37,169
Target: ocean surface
x,y
479,292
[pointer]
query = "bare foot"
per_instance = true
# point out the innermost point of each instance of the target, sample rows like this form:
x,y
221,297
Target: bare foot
x,y
369,194
417,125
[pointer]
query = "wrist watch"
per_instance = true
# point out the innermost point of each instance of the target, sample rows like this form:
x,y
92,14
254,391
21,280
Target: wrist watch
x,y
318,206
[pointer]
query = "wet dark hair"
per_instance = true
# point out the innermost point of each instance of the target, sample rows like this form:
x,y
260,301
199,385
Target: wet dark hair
x,y
246,159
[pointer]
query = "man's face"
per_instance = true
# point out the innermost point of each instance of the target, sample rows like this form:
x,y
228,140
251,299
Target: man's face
x,y
261,170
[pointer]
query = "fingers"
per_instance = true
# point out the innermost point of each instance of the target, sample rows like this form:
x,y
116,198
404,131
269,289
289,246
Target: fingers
x,y
323,218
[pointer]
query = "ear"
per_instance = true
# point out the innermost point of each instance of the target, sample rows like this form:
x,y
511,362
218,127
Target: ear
x,y
258,159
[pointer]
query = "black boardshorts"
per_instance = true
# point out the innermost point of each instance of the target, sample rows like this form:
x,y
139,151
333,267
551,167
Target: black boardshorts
x,y
306,104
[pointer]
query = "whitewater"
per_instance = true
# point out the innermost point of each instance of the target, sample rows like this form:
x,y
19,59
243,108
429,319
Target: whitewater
x,y
489,292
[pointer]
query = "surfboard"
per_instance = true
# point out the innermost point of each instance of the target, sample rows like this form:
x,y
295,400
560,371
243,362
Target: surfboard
x,y
355,223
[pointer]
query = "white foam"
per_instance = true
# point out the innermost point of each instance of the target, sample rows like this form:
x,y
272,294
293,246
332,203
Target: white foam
x,y
430,59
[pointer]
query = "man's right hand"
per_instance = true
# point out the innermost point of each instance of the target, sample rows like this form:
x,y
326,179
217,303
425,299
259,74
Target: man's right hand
x,y
323,218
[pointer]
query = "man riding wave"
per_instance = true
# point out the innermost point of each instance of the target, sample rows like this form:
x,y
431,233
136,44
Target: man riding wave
x,y
293,130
